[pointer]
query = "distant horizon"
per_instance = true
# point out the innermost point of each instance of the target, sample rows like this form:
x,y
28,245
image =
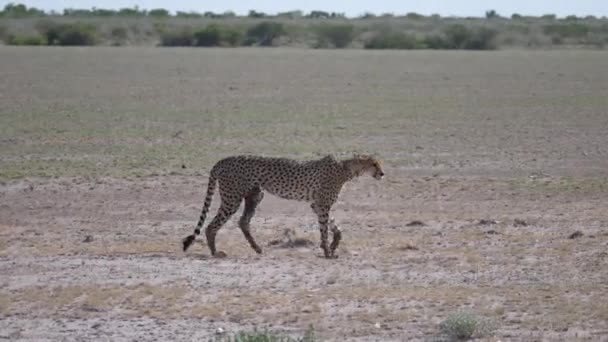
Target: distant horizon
x,y
352,9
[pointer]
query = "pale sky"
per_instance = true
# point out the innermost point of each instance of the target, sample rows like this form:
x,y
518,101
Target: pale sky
x,y
350,7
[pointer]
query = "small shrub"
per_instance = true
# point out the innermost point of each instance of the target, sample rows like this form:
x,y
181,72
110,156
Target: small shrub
x,y
414,16
557,40
388,39
338,35
188,15
492,14
464,325
232,36
12,39
159,13
549,16
265,336
67,34
119,35
482,39
209,36
217,35
458,36
182,37
264,33
567,30
434,42
3,33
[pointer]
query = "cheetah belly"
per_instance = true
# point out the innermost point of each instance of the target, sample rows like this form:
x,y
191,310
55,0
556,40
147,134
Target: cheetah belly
x,y
296,191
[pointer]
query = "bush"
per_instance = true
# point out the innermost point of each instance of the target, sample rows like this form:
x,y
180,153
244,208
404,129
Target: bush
x,y
434,42
12,39
217,35
338,35
209,36
414,16
232,36
492,14
182,37
482,39
567,30
159,13
264,33
265,336
388,39
68,34
119,35
464,325
20,11
458,36
3,33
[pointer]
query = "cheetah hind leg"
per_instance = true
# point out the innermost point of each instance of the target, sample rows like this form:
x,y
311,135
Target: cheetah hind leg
x,y
226,210
251,202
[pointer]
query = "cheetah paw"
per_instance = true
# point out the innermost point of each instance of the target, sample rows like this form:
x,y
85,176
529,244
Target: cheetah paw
x,y
220,254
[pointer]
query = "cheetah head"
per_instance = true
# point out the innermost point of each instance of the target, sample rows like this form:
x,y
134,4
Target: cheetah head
x,y
368,164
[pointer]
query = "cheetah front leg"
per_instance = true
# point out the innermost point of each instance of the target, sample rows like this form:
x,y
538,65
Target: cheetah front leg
x,y
251,202
322,212
337,236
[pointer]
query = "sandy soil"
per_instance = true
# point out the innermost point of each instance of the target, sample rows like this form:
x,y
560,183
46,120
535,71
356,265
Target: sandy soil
x,y
101,260
500,156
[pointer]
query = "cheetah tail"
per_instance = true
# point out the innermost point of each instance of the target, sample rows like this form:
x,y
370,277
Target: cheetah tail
x,y
189,240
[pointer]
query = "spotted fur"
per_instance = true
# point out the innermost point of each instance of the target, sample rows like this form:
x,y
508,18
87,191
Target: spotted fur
x,y
247,177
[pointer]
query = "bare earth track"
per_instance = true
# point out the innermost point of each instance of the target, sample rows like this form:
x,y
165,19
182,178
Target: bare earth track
x,y
501,156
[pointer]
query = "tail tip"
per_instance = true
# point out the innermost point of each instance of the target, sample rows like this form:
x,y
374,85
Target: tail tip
x,y
187,242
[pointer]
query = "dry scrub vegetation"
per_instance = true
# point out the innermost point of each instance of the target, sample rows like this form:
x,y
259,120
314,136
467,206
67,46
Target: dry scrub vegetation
x,y
21,25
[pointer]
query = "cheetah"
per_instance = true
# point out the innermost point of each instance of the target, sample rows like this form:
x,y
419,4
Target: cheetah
x,y
247,177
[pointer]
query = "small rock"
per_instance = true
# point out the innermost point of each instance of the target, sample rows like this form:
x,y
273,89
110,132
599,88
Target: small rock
x,y
577,234
484,222
377,325
491,232
88,238
409,247
520,223
416,223
219,331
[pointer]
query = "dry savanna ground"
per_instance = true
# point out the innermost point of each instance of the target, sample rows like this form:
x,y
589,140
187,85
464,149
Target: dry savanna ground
x,y
501,156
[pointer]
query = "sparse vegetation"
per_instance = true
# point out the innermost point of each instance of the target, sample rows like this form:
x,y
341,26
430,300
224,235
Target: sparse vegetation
x,y
218,35
336,35
389,39
464,325
266,336
385,31
179,37
119,35
67,33
264,33
209,36
24,40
